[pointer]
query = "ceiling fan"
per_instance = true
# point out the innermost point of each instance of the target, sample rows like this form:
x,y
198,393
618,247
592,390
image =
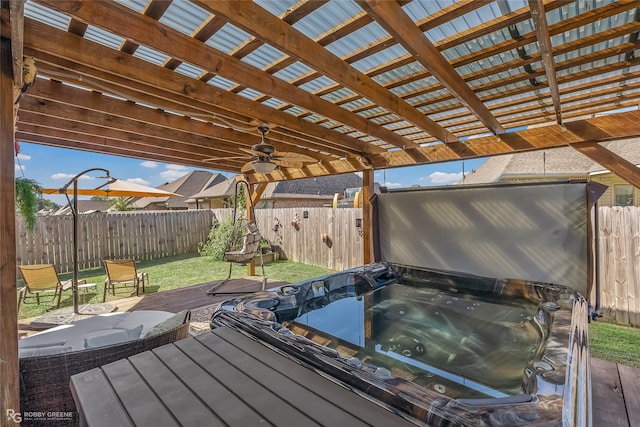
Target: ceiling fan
x,y
267,158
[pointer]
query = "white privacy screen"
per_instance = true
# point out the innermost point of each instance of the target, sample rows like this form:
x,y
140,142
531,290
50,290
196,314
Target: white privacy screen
x,y
533,232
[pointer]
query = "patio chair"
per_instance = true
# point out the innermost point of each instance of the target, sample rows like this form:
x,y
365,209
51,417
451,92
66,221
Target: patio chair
x,y
43,278
123,273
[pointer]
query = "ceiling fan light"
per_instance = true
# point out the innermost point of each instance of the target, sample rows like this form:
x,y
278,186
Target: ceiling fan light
x,y
263,167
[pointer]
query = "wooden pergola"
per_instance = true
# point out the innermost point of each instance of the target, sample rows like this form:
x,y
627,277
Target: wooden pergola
x,y
357,85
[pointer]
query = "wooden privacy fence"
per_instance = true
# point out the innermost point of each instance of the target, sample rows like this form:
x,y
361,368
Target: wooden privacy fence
x,y
325,237
140,235
341,248
619,234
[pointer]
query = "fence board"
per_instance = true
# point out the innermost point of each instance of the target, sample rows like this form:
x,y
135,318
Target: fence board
x,y
140,235
156,234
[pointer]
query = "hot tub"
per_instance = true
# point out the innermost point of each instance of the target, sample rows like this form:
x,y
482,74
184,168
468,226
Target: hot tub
x,y
435,347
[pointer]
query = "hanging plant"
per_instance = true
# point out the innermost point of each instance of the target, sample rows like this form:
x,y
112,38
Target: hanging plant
x,y
27,193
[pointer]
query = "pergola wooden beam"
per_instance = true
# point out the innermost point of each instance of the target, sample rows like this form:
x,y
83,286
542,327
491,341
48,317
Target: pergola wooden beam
x,y
257,21
147,31
394,20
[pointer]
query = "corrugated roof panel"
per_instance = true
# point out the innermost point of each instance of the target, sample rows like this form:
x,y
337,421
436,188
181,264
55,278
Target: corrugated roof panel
x,y
293,71
356,104
295,110
276,7
263,56
98,35
326,17
222,83
189,70
249,93
274,103
150,55
399,74
228,38
184,16
137,5
339,94
354,41
427,96
46,15
380,58
317,84
411,87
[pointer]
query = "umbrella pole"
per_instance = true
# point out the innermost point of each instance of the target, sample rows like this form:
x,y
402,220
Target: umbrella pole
x,y
74,213
74,283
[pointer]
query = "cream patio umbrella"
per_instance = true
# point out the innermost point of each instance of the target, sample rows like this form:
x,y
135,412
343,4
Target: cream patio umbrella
x,y
112,188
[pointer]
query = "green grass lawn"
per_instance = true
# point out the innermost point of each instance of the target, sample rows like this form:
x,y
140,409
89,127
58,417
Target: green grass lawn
x,y
609,342
173,273
615,343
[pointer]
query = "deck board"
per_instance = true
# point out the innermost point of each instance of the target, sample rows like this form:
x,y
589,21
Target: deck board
x,y
630,381
608,403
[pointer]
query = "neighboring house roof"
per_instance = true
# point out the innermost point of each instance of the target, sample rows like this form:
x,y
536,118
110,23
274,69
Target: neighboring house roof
x,y
86,206
557,162
322,187
186,186
319,187
219,189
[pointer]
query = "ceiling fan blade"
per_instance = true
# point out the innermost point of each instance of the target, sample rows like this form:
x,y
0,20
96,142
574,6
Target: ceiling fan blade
x,y
293,157
247,167
287,164
254,153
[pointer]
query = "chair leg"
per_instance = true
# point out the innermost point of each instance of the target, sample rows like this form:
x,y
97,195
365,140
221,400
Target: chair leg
x,y
59,291
104,294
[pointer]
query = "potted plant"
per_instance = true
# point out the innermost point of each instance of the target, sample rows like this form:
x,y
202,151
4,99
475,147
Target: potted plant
x,y
27,193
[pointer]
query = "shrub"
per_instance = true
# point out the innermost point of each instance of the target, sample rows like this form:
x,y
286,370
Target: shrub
x,y
218,239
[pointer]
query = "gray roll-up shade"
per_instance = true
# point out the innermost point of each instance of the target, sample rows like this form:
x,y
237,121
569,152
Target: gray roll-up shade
x,y
535,232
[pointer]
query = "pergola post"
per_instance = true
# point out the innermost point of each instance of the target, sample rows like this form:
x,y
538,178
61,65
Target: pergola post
x,y
9,381
367,238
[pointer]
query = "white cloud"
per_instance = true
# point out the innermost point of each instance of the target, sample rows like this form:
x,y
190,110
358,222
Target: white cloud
x,y
149,164
68,176
392,184
20,168
445,178
24,156
173,172
138,181
176,167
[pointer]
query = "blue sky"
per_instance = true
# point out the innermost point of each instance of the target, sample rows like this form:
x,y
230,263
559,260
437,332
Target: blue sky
x,y
53,167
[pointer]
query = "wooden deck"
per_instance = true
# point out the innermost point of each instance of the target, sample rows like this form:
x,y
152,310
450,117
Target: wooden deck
x,y
616,388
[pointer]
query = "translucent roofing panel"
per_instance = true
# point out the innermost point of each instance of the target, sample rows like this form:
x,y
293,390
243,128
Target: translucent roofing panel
x,y
293,71
228,38
277,7
184,16
222,83
339,94
46,15
150,55
263,56
189,70
98,35
317,84
324,18
249,93
354,41
137,5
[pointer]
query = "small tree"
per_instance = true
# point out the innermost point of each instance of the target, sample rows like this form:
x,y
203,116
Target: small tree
x,y
121,204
